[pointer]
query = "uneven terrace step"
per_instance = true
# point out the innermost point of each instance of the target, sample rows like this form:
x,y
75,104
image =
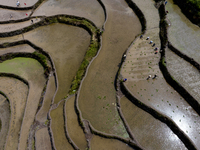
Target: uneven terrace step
x,y
148,131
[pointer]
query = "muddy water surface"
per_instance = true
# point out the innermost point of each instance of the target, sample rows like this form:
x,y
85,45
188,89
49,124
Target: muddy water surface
x,y
183,72
67,46
90,9
4,120
183,34
97,95
99,143
57,127
148,131
74,129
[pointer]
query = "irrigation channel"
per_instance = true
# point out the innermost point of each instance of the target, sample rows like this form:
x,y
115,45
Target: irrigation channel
x,y
79,75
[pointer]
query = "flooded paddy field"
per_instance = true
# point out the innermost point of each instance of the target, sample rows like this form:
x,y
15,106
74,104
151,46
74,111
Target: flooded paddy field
x,y
57,127
74,129
90,9
97,95
23,3
17,93
48,100
157,134
67,46
48,118
32,71
104,143
4,120
18,48
17,26
16,15
42,141
186,74
183,34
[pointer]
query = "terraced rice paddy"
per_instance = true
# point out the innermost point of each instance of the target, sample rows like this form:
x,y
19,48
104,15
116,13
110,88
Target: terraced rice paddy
x,y
62,70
